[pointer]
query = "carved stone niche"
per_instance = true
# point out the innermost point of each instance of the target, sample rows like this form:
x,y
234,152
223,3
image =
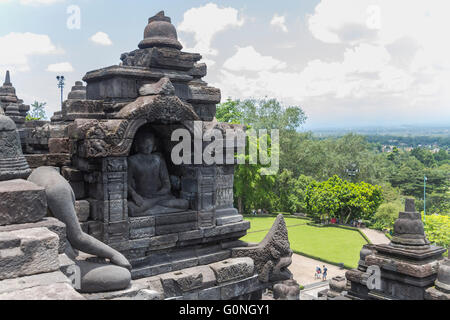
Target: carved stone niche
x,y
102,151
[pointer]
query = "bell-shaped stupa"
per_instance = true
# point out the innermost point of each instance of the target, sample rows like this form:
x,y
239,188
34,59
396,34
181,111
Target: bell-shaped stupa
x,y
160,32
409,232
13,164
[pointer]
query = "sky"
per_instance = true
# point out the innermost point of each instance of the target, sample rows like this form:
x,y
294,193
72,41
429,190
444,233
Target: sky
x,y
347,63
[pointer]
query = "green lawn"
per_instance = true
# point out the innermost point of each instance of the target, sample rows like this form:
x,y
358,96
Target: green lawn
x,y
329,244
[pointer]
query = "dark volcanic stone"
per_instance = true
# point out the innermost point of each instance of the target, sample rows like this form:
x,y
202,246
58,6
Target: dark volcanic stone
x,y
21,202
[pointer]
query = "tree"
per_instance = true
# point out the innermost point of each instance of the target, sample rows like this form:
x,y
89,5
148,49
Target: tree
x,y
424,156
229,112
37,111
341,199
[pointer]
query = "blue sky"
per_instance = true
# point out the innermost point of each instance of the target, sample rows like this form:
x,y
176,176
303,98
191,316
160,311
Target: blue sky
x,y
348,63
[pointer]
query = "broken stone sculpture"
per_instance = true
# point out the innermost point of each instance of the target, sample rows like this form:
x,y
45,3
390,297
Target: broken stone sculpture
x,y
95,277
149,185
286,290
273,255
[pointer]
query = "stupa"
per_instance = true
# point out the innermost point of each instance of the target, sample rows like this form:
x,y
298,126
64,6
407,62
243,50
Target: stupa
x,y
175,222
12,162
408,264
10,104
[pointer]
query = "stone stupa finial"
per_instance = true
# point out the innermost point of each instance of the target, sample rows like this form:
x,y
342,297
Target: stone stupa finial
x,y
7,79
160,32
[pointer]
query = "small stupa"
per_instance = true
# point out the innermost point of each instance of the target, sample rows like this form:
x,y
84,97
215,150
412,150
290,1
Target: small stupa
x,y
12,162
10,104
408,264
160,32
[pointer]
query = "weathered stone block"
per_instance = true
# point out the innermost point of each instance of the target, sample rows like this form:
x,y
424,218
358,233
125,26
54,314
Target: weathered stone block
x,y
44,279
178,227
204,94
209,294
233,269
175,218
55,291
142,222
142,233
27,252
185,263
163,242
21,202
50,159
239,288
179,282
151,271
190,235
214,257
51,224
146,294
199,70
82,207
220,221
58,145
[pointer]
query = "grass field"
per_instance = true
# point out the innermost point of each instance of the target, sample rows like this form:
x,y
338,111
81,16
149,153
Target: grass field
x,y
329,244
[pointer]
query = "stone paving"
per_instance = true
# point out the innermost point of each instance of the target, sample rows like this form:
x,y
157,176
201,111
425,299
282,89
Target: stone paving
x,y
375,236
303,269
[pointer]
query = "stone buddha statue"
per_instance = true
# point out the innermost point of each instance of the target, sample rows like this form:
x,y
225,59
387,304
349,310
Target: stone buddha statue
x,y
149,187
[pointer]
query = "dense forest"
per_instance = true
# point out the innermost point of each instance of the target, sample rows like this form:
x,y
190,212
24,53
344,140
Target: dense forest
x,y
346,177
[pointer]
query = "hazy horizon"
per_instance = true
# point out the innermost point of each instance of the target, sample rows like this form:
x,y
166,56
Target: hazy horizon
x,y
347,63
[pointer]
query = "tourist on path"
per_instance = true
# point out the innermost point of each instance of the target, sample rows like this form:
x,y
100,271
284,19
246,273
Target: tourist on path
x,y
325,271
317,273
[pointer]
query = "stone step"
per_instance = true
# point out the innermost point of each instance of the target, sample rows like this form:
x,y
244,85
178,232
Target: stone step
x,y
21,202
36,252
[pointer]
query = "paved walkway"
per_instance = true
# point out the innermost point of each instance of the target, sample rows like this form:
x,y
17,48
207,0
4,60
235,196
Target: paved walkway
x,y
375,236
303,269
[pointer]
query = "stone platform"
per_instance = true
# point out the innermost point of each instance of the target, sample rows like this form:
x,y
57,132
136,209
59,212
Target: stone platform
x,y
224,280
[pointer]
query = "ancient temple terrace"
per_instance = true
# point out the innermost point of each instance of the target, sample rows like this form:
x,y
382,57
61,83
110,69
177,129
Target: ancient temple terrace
x,y
176,238
94,206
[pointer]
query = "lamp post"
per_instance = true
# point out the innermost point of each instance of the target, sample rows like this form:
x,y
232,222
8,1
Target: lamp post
x,y
424,198
61,86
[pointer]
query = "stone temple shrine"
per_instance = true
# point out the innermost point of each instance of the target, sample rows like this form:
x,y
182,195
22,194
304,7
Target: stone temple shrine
x,y
94,206
125,221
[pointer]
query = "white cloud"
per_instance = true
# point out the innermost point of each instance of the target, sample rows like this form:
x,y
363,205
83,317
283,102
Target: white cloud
x,y
18,47
279,22
394,57
205,22
364,72
101,38
39,2
34,2
248,59
411,31
60,67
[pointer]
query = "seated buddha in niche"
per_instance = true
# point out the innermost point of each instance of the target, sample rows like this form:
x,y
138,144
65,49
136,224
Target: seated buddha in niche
x,y
149,187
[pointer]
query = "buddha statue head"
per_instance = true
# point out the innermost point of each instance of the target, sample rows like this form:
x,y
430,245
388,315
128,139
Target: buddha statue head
x,y
145,142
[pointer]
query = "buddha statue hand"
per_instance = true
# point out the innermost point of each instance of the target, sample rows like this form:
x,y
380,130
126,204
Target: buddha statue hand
x,y
119,260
